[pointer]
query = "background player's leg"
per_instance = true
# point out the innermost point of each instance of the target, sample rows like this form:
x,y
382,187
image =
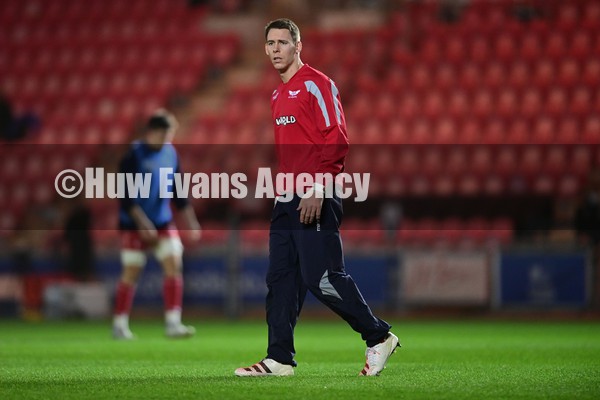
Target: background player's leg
x,y
133,261
322,265
169,252
286,290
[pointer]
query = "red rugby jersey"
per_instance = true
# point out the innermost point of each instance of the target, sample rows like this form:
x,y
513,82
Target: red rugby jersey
x,y
310,128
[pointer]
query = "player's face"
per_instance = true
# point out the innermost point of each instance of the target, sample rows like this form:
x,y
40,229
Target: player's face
x,y
281,48
156,138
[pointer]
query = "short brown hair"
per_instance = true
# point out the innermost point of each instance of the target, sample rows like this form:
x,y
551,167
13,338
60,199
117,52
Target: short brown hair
x,y
284,23
161,119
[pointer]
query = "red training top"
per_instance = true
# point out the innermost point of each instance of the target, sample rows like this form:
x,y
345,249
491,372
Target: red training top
x,y
309,122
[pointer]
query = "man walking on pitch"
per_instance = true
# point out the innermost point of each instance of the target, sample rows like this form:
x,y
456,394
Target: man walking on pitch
x,y
146,224
305,249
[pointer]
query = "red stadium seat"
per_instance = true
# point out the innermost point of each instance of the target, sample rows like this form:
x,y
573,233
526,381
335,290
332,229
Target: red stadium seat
x,y
455,51
409,106
581,45
479,51
457,160
470,132
469,76
470,185
420,185
494,77
430,51
556,160
505,47
494,132
591,130
433,105
569,185
568,73
581,160
385,106
420,77
556,101
581,102
531,104
519,76
445,132
556,46
543,131
532,160
397,132
409,162
543,184
421,132
506,106
443,185
531,47
591,73
568,131
494,185
372,132
506,162
445,77
482,104
544,73
396,81
482,160
458,104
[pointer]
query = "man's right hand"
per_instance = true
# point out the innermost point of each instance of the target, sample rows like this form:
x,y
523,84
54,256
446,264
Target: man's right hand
x,y
146,228
149,235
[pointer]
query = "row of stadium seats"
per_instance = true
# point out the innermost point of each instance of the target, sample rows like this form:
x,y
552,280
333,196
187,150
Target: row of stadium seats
x,y
366,233
66,58
518,75
75,12
484,16
389,128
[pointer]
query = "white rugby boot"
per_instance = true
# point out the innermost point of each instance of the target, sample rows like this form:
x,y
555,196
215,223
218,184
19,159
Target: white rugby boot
x,y
377,356
179,331
266,367
122,333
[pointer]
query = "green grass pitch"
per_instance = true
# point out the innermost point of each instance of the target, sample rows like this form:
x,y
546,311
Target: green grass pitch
x,y
438,360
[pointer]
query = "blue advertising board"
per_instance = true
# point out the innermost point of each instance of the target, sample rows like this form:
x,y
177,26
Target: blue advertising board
x,y
541,278
207,280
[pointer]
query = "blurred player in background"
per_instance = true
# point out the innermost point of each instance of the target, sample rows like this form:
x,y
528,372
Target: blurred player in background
x,y
147,224
305,249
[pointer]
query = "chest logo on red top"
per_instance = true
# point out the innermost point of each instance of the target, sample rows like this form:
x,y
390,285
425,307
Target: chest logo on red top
x,y
285,120
293,93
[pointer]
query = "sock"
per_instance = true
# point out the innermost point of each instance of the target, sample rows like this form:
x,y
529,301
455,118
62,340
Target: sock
x,y
173,297
123,299
121,321
173,317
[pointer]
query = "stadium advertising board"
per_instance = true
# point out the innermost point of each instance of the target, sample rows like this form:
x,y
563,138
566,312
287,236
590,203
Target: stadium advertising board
x,y
445,277
543,279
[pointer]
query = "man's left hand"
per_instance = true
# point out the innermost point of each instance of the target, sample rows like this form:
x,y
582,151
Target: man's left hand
x,y
310,208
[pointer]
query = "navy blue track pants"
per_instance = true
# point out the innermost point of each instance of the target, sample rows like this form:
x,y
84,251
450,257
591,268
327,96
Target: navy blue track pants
x,y
310,257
